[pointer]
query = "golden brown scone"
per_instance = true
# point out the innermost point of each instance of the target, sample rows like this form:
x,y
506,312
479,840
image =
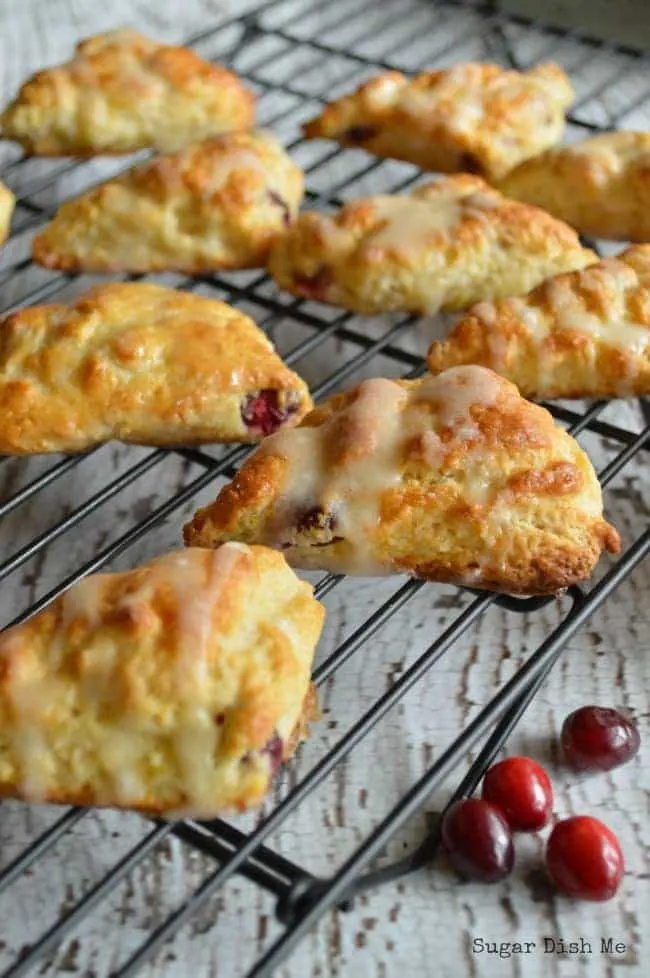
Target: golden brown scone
x,y
600,186
123,92
220,204
139,363
7,204
479,118
450,478
585,334
175,688
449,244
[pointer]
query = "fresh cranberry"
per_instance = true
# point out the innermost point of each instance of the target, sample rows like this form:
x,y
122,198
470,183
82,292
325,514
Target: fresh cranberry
x,y
478,840
597,738
360,134
521,790
584,859
315,286
262,412
282,204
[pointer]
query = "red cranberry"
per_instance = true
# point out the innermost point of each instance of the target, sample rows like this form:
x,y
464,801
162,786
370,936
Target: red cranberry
x,y
521,790
359,134
597,738
263,412
315,286
478,840
274,749
584,859
282,204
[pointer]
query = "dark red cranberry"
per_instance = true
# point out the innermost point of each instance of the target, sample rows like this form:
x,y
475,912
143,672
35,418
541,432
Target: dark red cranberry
x,y
264,413
478,840
598,738
274,749
360,134
281,202
470,163
521,790
314,286
584,859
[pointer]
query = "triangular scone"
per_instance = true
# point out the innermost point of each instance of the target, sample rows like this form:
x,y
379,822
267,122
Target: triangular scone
x,y
123,92
600,186
7,204
449,244
479,118
450,478
219,204
585,334
175,688
139,363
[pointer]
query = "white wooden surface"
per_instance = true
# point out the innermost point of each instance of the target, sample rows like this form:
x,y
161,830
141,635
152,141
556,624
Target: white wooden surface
x,y
426,924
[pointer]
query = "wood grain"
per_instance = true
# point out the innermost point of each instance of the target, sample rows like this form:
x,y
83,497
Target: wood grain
x,y
424,925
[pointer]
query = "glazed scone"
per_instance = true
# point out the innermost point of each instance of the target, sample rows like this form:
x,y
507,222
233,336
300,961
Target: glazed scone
x,y
585,334
600,186
477,118
451,478
449,244
220,204
139,363
123,92
7,204
176,688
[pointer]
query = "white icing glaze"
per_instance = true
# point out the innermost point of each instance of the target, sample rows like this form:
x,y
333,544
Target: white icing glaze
x,y
385,90
222,167
122,752
194,597
468,108
486,312
411,222
345,466
569,313
532,318
603,152
454,392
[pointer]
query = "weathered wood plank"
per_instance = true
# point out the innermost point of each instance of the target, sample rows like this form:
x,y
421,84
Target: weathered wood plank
x,y
426,924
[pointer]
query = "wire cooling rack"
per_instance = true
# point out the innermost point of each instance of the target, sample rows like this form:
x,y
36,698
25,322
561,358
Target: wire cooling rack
x,y
294,72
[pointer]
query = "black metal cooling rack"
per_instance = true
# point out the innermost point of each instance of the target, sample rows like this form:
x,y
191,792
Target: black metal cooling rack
x,y
349,47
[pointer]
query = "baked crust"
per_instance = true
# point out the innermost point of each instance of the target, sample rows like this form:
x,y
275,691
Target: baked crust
x,y
585,334
174,688
122,92
220,204
477,118
139,363
451,478
7,204
600,186
449,244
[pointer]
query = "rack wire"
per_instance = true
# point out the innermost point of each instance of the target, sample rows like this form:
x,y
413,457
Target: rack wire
x,y
346,51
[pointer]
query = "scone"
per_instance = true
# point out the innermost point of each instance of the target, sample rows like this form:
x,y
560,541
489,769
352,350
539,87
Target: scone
x,y
7,204
600,186
449,244
175,688
220,204
123,92
479,118
585,334
451,478
139,363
